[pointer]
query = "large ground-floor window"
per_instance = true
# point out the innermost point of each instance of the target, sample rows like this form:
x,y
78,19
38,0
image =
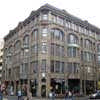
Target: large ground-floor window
x,y
58,85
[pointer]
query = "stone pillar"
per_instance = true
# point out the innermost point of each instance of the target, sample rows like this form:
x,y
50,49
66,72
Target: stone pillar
x,y
81,78
39,87
48,88
81,91
15,87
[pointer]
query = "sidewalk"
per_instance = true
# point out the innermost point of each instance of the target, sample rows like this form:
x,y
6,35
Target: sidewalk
x,y
5,99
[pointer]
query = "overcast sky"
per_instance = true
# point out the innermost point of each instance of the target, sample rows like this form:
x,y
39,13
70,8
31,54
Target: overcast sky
x,y
14,11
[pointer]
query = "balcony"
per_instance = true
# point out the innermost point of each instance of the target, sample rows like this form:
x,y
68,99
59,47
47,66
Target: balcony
x,y
74,45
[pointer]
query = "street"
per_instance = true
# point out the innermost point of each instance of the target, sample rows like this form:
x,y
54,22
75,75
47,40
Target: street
x,y
15,98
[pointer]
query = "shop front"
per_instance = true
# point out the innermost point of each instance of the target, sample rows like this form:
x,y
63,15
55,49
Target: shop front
x,y
58,86
74,85
33,87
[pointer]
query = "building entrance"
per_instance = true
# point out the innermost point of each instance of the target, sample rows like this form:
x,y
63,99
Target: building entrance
x,y
33,87
74,85
58,86
43,90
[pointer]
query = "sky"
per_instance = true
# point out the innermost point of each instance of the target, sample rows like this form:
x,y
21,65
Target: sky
x,y
14,11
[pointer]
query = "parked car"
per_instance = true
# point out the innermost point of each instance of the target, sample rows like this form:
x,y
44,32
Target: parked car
x,y
95,95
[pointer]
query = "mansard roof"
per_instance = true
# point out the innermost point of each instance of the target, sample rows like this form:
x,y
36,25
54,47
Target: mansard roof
x,y
71,18
56,11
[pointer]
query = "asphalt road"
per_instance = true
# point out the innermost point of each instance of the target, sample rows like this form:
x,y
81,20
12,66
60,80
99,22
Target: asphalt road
x,y
15,98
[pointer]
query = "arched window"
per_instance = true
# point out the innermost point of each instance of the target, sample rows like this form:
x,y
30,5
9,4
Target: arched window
x,y
26,41
57,34
35,35
17,45
72,39
88,44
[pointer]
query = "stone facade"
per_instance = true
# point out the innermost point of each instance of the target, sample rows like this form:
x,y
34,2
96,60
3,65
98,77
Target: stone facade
x,y
52,50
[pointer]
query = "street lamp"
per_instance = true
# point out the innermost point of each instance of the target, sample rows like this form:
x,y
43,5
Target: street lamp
x,y
43,75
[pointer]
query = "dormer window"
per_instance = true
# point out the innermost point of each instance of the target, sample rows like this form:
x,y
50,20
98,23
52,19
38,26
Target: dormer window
x,y
45,17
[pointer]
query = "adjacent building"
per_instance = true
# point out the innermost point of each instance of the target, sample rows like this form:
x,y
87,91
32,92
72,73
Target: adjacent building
x,y
52,50
1,57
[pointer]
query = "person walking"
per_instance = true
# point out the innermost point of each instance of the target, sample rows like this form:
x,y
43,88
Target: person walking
x,y
19,94
66,95
29,96
1,96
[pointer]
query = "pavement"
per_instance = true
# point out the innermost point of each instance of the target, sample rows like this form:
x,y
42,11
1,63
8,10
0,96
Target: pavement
x,y
15,98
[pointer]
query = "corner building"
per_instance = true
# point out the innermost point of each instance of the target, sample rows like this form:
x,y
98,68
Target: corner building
x,y
51,50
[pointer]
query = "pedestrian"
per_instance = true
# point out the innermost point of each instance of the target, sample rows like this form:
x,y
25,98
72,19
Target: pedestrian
x,y
53,95
69,94
66,95
50,95
1,96
19,94
29,95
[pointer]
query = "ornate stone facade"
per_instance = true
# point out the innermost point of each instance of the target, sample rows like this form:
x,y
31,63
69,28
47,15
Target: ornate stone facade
x,y
52,50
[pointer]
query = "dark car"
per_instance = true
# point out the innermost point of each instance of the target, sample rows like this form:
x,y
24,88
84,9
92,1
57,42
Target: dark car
x,y
95,95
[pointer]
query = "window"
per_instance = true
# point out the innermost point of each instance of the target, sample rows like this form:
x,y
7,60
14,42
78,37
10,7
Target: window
x,y
26,41
45,17
52,49
52,66
44,32
54,18
24,69
44,48
62,65
9,71
73,67
72,51
57,34
72,39
60,21
88,56
34,49
57,50
62,51
69,67
17,45
43,66
98,48
88,44
98,57
57,66
82,55
34,66
35,35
